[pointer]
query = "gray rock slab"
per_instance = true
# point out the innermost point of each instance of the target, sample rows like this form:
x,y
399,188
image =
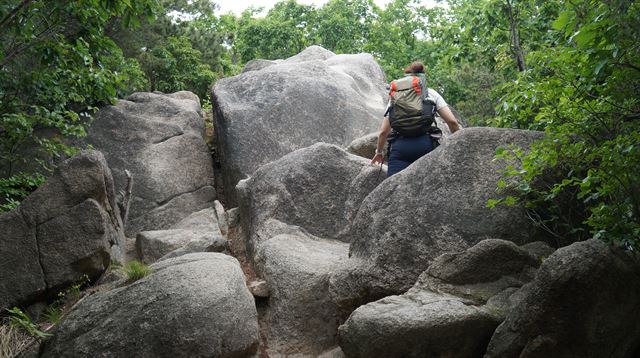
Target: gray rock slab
x,y
166,215
154,245
315,96
582,302
203,220
198,232
192,306
417,324
301,318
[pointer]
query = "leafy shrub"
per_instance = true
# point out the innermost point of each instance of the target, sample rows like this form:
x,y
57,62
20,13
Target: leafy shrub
x,y
17,187
19,319
582,179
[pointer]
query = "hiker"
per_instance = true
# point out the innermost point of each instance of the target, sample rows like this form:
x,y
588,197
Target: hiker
x,y
407,147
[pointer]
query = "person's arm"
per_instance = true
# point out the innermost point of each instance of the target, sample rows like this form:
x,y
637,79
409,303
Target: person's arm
x,y
449,118
385,128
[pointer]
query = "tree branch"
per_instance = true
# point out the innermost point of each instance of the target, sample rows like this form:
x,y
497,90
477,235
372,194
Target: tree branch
x,y
14,12
629,65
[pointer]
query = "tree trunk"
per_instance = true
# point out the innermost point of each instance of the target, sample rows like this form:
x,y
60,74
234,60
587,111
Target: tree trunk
x,y
516,49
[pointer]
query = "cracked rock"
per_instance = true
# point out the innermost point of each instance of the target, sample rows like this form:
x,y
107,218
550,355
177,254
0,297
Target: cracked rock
x,y
67,228
160,139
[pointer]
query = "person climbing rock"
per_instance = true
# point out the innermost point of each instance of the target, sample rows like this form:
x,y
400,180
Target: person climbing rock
x,y
409,119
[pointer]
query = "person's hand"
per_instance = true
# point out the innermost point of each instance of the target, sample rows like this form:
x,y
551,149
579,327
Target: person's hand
x,y
377,159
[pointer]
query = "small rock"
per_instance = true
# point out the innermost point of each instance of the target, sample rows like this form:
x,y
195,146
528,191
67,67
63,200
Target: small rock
x,y
259,288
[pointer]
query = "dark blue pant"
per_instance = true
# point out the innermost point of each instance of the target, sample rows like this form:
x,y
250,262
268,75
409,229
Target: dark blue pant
x,y
406,150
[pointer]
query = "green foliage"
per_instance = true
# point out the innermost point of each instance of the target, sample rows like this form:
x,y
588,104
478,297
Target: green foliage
x,y
567,68
176,66
19,319
13,189
344,26
285,31
583,93
73,292
56,68
135,270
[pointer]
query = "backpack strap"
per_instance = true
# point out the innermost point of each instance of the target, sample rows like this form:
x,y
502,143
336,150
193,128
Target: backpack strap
x,y
415,82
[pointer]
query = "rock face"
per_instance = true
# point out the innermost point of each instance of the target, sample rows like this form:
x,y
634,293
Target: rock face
x,y
418,324
315,96
198,232
292,211
365,146
452,310
437,205
68,228
583,302
318,188
159,139
195,305
301,318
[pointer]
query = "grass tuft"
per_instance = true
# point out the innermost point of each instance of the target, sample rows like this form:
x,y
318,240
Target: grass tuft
x,y
135,270
13,340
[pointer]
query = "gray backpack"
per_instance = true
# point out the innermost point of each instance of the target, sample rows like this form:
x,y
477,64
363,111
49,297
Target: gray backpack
x,y
411,113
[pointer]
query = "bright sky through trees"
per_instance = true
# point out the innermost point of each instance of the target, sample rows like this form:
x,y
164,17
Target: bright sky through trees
x,y
237,6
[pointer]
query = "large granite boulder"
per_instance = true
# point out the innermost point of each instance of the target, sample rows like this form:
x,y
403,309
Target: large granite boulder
x,y
315,96
437,205
582,303
195,305
67,228
292,212
198,232
159,139
318,188
301,318
451,311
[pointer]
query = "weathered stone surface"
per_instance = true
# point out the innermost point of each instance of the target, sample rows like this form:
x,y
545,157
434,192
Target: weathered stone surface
x,y
68,228
482,271
193,306
365,146
196,233
315,96
451,311
177,207
76,243
318,188
301,318
256,65
22,277
159,139
221,216
437,205
583,302
417,324
259,288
